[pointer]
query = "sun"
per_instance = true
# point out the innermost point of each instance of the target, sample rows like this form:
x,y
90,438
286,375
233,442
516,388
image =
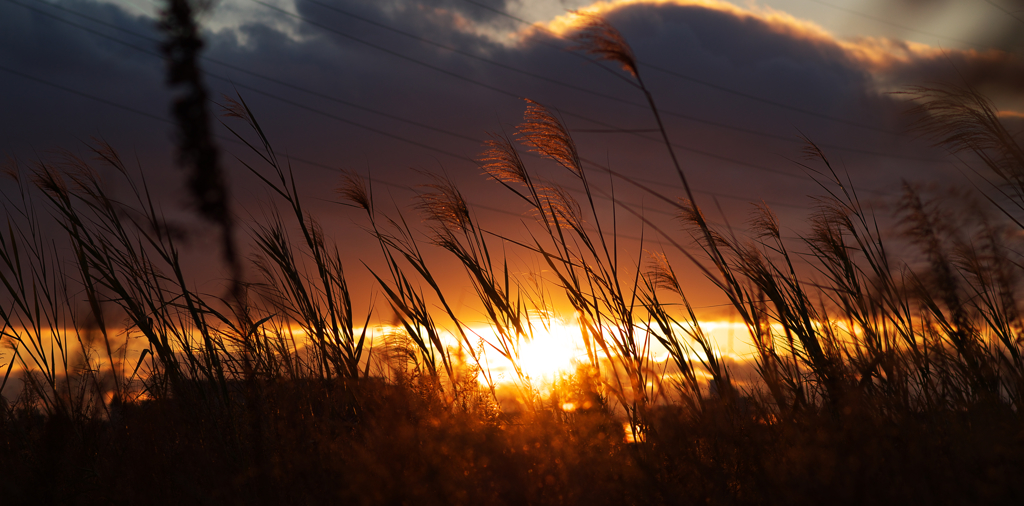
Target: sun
x,y
552,350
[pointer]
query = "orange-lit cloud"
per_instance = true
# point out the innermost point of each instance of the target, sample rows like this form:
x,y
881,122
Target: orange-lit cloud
x,y
888,60
782,21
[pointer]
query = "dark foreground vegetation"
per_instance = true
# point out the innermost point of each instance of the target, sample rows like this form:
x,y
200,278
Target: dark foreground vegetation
x,y
377,444
881,381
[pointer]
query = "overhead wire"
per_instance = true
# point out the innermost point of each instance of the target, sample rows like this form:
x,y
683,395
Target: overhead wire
x,y
701,152
611,128
562,111
897,25
378,180
309,162
1005,11
281,99
322,95
468,54
606,96
236,68
335,99
791,139
317,111
166,120
703,82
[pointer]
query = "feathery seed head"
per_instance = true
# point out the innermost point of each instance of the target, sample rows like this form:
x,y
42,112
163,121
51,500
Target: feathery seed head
x,y
562,205
764,222
661,273
501,161
544,134
232,108
598,37
353,189
445,204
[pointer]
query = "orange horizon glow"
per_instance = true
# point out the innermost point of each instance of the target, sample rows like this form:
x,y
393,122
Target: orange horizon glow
x,y
552,350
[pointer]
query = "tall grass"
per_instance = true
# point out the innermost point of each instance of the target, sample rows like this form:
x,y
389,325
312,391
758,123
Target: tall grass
x,y
876,364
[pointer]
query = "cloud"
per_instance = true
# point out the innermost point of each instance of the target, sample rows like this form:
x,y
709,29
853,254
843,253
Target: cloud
x,y
892,61
994,73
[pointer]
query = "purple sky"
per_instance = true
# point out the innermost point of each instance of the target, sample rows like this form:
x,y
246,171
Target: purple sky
x,y
390,88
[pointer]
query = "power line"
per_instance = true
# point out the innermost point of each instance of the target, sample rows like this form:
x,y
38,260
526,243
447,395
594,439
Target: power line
x,y
281,99
324,113
705,83
1005,10
461,157
233,67
318,111
585,118
405,120
236,141
511,94
467,54
83,94
224,138
298,159
580,116
897,25
604,95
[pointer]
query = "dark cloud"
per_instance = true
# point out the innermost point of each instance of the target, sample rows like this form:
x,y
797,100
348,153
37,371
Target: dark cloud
x,y
484,11
997,74
747,54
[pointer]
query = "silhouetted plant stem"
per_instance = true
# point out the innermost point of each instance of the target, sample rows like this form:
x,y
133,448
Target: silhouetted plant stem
x,y
197,151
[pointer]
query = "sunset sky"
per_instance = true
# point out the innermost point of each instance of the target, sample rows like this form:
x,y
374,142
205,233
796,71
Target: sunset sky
x,y
389,88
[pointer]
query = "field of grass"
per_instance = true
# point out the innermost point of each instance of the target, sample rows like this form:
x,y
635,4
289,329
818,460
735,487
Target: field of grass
x,y
880,379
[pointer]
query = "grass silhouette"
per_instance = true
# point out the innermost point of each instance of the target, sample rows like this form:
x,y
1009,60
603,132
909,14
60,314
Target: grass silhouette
x,y
878,382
